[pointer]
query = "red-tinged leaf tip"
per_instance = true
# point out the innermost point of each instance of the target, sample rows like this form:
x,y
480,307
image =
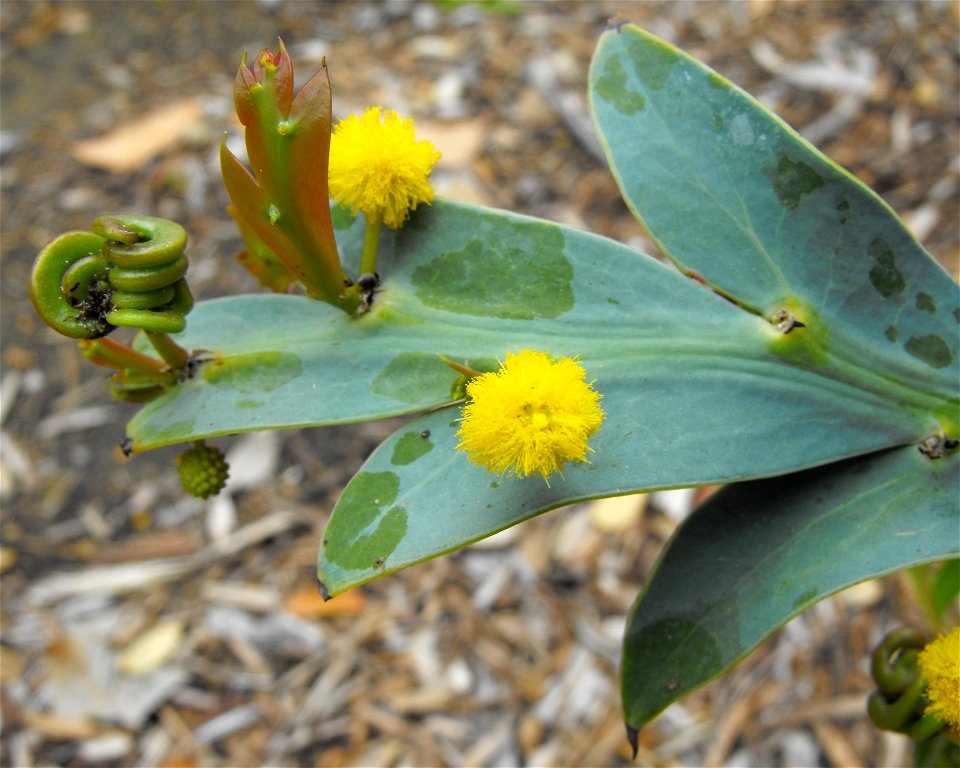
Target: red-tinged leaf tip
x,y
245,76
324,592
265,61
314,102
284,79
243,63
274,71
633,736
242,101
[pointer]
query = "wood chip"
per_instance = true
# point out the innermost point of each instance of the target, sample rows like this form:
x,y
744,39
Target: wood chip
x,y
618,513
229,722
382,719
846,707
101,749
56,727
118,579
459,142
129,577
150,546
8,558
128,147
12,663
152,649
836,745
249,597
308,603
863,595
277,633
421,700
76,420
736,716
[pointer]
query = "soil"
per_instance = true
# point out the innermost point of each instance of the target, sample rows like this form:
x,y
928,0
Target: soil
x,y
506,652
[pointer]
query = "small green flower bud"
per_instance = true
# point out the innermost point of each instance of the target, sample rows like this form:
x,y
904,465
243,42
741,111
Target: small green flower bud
x,y
203,470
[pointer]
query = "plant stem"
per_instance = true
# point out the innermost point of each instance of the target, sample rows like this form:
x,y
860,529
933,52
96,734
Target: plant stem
x,y
112,354
371,243
172,353
921,578
459,367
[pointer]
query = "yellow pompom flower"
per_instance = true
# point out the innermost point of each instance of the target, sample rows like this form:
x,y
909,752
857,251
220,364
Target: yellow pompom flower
x,y
378,167
533,415
940,665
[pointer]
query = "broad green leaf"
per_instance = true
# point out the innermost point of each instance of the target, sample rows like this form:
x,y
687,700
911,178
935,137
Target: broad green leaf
x,y
418,497
758,553
736,197
686,375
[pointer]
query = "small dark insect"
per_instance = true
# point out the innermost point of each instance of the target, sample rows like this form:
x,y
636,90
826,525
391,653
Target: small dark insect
x,y
380,562
126,445
369,283
197,358
425,434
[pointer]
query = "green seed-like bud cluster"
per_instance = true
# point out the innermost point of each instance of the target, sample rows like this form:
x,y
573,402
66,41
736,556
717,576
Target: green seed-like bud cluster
x,y
203,471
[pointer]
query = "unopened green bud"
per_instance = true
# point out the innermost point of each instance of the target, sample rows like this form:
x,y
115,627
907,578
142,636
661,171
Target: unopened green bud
x,y
203,470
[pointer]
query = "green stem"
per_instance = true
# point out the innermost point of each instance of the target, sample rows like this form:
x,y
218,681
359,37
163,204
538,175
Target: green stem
x,y
459,367
926,727
371,243
921,577
897,715
172,353
111,354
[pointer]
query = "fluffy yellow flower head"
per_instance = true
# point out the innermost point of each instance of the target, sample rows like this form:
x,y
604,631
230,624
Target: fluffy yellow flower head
x,y
378,167
532,415
940,664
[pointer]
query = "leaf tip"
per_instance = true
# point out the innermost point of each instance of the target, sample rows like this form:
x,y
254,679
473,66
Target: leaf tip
x,y
616,23
324,592
633,736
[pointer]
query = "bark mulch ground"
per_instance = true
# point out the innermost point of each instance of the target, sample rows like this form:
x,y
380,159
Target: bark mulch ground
x,y
140,627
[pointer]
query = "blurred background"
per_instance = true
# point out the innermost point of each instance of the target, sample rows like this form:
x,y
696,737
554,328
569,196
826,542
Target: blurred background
x,y
143,627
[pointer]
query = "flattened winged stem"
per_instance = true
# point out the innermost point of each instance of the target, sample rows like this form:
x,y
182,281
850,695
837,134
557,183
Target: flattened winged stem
x,y
284,202
260,260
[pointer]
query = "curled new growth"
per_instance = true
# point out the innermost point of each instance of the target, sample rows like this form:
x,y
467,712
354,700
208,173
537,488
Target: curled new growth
x,y
898,703
129,271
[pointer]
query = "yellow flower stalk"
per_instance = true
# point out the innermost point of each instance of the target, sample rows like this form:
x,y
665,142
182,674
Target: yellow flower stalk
x,y
533,415
940,665
378,167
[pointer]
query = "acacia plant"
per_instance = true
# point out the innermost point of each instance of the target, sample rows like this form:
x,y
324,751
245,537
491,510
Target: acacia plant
x,y
803,350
